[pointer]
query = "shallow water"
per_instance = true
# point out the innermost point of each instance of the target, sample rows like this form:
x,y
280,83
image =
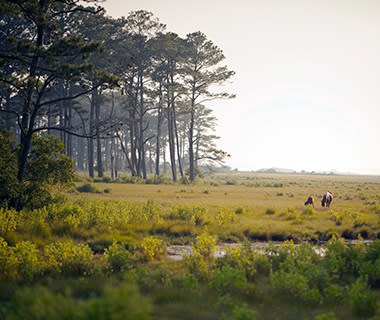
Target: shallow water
x,y
177,252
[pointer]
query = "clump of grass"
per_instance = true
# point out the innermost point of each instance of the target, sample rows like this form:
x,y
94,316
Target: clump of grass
x,y
290,214
87,187
270,211
308,211
239,210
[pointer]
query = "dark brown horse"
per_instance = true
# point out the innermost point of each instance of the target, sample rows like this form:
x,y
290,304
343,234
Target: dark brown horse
x,y
327,199
310,201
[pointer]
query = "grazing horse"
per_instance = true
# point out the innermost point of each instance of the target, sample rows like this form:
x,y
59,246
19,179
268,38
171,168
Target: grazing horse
x,y
327,199
310,201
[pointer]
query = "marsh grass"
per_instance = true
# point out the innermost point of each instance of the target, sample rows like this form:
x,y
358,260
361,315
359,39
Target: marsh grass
x,y
105,240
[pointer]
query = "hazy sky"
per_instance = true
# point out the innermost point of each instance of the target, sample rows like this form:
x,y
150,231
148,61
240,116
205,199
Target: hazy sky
x,y
307,78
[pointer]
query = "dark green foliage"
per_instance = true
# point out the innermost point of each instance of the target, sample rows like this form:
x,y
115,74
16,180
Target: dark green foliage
x,y
8,168
87,187
363,301
48,171
122,302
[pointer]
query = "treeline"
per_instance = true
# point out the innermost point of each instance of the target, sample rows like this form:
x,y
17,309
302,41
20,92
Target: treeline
x,y
121,94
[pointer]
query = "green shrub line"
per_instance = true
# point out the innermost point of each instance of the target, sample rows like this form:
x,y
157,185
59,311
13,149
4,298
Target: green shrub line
x,y
346,277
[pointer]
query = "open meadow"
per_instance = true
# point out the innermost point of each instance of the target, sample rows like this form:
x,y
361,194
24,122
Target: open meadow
x,y
257,206
100,251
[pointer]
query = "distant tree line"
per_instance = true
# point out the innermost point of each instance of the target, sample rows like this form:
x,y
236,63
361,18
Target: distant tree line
x,y
121,94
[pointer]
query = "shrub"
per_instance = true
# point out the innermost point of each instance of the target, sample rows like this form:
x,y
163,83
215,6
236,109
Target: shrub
x,y
334,294
370,266
189,281
224,216
118,257
152,247
242,312
290,214
8,262
287,283
326,316
245,258
8,221
342,261
37,303
239,210
270,211
69,259
362,300
308,211
199,262
205,245
116,303
87,187
195,215
337,217
228,279
27,257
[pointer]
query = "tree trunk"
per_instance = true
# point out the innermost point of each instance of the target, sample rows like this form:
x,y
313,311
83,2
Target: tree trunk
x,y
158,136
98,140
90,139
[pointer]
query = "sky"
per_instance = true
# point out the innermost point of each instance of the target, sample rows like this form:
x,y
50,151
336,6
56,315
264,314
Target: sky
x,y
307,79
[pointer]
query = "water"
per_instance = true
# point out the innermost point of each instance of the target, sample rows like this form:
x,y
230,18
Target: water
x,y
177,252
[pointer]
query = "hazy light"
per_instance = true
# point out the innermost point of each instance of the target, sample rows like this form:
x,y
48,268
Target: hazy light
x,y
307,78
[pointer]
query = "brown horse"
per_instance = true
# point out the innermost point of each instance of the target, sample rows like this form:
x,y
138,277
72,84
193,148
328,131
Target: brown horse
x,y
327,199
310,201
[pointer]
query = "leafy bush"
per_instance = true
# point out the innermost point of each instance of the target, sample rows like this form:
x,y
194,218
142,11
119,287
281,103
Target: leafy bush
x,y
294,284
242,313
245,258
308,211
68,259
38,303
270,211
199,261
239,210
8,262
334,294
87,187
9,185
48,171
342,261
8,221
35,222
20,262
370,266
152,247
28,263
189,281
227,279
224,216
195,215
337,217
326,316
362,300
118,257
116,303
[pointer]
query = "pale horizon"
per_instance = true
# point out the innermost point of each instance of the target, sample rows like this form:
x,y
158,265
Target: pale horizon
x,y
306,82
